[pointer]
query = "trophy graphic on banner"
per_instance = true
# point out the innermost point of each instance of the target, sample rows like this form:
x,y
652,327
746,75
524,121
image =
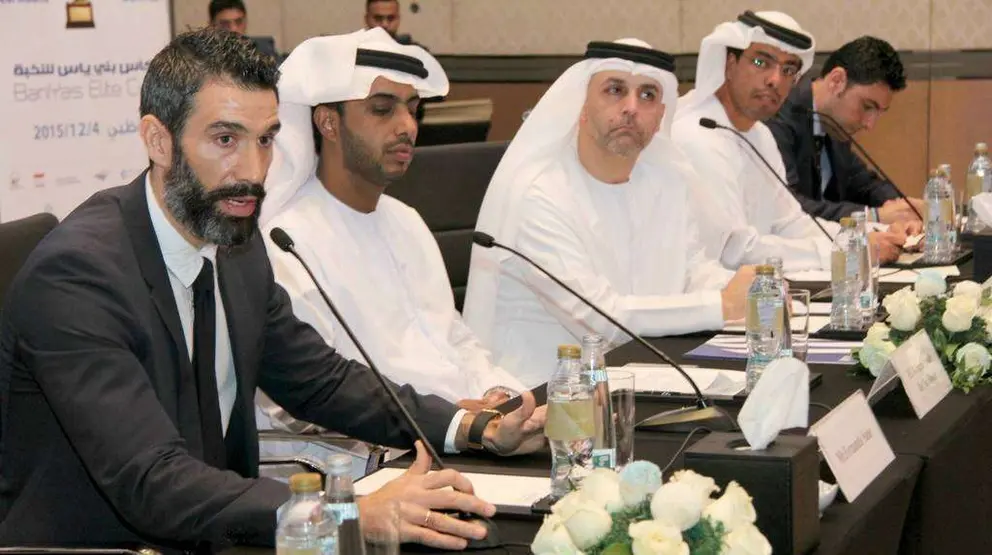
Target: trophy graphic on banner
x,y
79,14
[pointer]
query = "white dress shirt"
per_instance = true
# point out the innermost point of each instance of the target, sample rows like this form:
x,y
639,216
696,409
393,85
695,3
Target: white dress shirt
x,y
184,262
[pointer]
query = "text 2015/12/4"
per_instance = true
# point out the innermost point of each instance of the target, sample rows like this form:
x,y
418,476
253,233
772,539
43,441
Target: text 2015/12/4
x,y
66,130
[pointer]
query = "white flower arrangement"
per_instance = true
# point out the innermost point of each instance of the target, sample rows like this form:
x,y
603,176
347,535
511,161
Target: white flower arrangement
x,y
959,325
633,512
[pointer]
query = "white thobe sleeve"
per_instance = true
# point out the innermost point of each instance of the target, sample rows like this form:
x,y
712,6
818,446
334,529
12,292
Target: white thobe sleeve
x,y
792,235
477,360
547,237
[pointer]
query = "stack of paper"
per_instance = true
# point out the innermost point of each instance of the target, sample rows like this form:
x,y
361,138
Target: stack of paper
x,y
500,490
734,347
653,378
886,275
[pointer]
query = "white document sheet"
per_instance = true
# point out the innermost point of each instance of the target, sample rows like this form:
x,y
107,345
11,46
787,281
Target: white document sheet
x,y
500,490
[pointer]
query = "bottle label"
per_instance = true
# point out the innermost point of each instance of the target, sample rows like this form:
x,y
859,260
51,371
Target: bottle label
x,y
764,314
604,458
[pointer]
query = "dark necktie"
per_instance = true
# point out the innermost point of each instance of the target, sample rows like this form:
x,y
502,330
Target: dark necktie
x,y
204,354
818,143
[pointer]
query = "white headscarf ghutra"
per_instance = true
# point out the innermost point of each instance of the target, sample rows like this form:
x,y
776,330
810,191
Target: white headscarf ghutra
x,y
335,69
551,128
774,28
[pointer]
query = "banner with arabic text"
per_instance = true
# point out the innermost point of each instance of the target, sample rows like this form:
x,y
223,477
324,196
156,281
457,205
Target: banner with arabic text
x,y
70,79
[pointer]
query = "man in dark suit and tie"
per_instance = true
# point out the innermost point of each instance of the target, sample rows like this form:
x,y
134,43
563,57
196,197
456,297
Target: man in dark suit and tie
x,y
134,337
855,88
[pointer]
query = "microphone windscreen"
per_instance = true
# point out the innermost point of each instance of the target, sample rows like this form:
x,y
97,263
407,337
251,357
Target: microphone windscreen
x,y
281,239
707,123
483,239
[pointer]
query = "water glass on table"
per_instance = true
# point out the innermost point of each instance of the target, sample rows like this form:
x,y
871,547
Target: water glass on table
x,y
622,399
799,305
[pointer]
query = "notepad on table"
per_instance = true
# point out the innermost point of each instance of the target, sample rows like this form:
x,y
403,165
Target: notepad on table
x,y
659,378
500,490
886,275
734,347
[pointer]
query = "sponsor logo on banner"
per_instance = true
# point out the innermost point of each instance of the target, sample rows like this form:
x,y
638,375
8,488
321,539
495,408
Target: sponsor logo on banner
x,y
102,175
79,14
39,179
15,181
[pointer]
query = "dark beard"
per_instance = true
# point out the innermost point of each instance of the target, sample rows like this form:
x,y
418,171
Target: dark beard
x,y
193,206
359,158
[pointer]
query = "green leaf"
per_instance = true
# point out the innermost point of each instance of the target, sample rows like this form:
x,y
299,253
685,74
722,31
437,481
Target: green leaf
x,y
949,351
617,549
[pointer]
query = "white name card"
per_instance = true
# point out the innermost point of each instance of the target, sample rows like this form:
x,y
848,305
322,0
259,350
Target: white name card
x,y
922,374
853,444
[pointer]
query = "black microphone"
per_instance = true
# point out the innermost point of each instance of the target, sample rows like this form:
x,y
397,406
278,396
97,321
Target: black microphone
x,y
680,420
711,124
285,242
834,124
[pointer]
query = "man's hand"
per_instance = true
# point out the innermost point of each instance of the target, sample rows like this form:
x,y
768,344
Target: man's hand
x,y
416,493
734,295
907,227
521,431
895,210
490,401
889,245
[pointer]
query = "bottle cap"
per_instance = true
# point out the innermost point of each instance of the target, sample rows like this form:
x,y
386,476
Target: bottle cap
x,y
981,148
305,482
847,221
944,170
339,464
569,351
765,270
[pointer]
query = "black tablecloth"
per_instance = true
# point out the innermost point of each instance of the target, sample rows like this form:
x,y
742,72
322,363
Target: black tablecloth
x,y
957,475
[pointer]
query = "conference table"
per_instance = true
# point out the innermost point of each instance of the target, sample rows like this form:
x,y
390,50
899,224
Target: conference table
x,y
934,498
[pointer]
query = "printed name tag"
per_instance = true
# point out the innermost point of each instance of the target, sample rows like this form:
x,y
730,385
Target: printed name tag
x,y
922,374
853,444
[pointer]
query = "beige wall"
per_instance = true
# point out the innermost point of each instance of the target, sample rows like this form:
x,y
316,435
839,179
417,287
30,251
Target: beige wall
x,y
565,26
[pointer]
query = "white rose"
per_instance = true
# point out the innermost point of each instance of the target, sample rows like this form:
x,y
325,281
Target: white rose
x,y
602,487
968,289
746,540
704,485
734,508
930,283
973,356
638,480
677,504
553,539
904,309
588,524
877,333
567,505
988,325
873,356
655,538
958,314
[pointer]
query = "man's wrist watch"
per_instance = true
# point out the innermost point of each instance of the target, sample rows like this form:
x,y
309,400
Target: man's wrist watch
x,y
478,427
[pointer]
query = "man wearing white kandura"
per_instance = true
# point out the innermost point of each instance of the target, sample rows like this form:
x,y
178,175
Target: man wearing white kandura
x,y
745,71
593,189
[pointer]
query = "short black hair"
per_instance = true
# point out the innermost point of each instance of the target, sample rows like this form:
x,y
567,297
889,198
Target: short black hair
x,y
868,60
735,52
180,69
370,2
217,6
318,139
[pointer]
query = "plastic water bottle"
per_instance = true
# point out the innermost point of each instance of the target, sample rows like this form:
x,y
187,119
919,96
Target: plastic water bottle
x,y
845,283
571,422
938,230
604,445
305,527
979,180
776,262
866,293
339,500
763,323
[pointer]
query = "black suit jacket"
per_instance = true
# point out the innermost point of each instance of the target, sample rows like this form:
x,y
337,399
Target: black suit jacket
x,y
853,185
100,440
